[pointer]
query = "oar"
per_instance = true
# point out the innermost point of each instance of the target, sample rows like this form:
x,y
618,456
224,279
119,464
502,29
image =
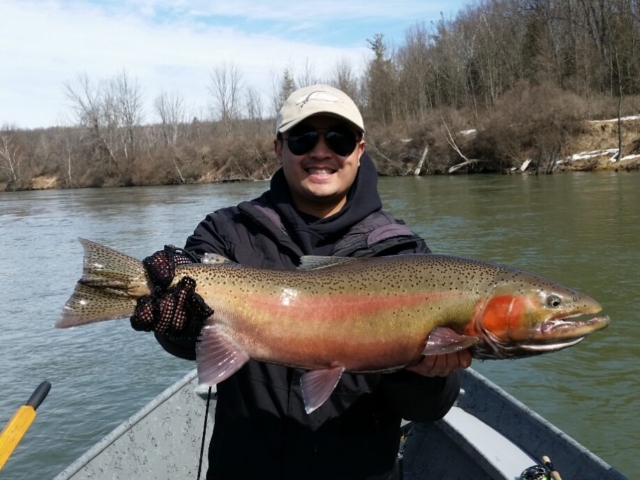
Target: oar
x,y
20,422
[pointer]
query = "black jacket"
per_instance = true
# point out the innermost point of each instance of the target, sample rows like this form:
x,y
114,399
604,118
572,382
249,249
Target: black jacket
x,y
261,429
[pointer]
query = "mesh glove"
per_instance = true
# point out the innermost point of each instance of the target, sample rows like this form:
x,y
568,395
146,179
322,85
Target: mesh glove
x,y
176,311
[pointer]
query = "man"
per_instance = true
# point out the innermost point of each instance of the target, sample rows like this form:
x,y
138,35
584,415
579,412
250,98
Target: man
x,y
323,201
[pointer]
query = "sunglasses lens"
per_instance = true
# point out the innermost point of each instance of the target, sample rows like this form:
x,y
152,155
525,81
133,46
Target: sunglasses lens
x,y
342,141
302,142
339,139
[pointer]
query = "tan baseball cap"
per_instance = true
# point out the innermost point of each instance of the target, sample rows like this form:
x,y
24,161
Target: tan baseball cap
x,y
314,100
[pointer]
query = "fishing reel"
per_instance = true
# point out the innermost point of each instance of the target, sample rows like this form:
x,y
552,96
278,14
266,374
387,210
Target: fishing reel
x,y
537,472
546,471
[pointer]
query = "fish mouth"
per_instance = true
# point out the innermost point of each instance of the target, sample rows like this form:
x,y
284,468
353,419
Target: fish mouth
x,y
573,326
551,335
558,333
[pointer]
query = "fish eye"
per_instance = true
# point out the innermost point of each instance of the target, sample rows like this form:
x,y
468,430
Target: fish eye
x,y
554,301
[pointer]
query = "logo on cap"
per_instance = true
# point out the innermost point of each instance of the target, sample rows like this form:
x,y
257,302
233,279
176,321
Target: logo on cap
x,y
317,96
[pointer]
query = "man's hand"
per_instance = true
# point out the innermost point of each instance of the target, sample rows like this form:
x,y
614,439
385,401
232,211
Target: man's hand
x,y
442,365
176,311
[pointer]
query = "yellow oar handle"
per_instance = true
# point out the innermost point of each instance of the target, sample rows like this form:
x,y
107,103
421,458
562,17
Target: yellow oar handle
x,y
20,422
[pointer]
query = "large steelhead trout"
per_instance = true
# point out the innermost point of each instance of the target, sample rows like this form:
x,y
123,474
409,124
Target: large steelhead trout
x,y
343,314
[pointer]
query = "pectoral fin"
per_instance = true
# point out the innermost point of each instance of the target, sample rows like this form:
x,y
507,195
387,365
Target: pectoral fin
x,y
443,340
218,356
317,385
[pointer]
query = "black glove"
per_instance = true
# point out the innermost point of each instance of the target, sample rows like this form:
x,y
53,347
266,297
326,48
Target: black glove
x,y
176,311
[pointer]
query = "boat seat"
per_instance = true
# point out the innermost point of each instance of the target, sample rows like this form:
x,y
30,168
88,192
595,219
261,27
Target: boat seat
x,y
498,456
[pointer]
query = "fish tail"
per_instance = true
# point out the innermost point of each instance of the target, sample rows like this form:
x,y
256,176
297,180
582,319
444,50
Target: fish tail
x,y
109,288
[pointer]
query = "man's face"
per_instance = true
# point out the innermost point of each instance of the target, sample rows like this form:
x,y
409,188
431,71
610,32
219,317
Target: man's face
x,y
320,178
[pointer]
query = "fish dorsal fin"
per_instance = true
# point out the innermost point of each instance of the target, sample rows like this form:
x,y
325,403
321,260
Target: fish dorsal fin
x,y
317,385
313,262
443,340
214,259
218,356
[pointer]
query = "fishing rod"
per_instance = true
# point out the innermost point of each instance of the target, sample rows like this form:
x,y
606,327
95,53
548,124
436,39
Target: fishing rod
x,y
20,422
204,434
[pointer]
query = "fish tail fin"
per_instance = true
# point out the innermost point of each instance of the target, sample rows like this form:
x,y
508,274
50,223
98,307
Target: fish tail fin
x,y
110,285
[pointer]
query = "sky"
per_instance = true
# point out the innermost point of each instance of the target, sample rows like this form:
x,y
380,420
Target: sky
x,y
175,45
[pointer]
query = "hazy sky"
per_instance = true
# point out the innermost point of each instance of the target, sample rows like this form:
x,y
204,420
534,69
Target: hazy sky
x,y
174,45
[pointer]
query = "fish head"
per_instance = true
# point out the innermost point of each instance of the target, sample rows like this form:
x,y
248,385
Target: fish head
x,y
526,315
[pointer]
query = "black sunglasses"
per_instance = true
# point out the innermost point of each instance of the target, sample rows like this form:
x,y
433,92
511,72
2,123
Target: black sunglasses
x,y
304,138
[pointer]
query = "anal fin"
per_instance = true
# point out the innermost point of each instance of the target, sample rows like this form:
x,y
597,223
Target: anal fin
x,y
317,386
443,340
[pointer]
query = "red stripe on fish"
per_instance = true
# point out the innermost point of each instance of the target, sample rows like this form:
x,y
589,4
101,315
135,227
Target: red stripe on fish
x,y
341,306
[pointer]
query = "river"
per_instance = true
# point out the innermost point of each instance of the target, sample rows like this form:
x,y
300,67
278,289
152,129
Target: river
x,y
582,230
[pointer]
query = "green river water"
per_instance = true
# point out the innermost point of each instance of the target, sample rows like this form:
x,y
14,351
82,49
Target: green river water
x,y
582,230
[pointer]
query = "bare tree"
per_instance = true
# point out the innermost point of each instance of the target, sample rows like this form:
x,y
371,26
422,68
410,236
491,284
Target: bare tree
x,y
170,107
111,113
12,156
93,113
308,75
66,144
254,105
225,88
87,102
344,78
124,96
68,155
274,91
85,99
416,68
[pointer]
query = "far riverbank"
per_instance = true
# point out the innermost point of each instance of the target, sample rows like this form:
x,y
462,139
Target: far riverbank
x,y
546,145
